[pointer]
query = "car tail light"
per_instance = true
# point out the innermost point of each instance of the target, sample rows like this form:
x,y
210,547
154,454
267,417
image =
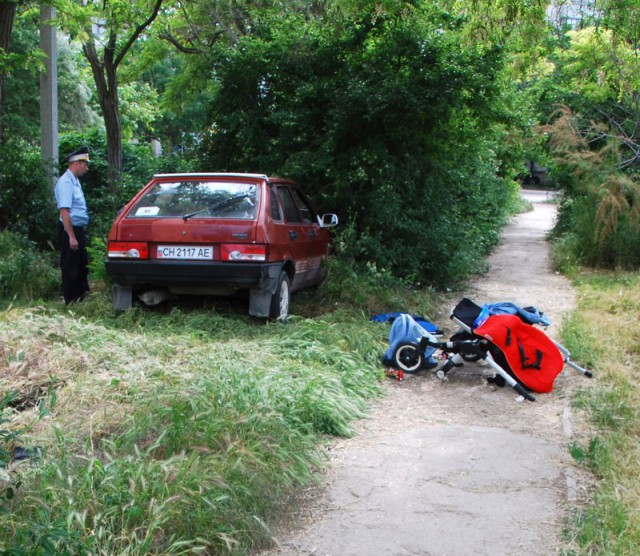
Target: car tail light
x,y
243,252
128,250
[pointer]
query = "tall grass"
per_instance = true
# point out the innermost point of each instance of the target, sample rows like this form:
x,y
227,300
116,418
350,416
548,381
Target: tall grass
x,y
176,431
604,333
8,481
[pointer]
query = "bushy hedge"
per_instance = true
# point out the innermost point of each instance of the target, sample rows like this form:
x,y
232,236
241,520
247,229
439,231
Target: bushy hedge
x,y
26,193
389,121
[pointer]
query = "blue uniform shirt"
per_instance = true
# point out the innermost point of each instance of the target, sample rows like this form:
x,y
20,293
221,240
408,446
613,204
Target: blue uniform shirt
x,y
69,195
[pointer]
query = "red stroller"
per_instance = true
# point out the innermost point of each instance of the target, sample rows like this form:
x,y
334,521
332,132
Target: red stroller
x,y
521,355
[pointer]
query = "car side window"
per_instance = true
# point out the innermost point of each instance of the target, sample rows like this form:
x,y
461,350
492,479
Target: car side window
x,y
305,208
291,213
275,205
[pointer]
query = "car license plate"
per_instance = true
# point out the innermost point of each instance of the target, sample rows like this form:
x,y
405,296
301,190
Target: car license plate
x,y
185,252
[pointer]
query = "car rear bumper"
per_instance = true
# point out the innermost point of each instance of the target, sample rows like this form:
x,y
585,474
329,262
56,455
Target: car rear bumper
x,y
190,273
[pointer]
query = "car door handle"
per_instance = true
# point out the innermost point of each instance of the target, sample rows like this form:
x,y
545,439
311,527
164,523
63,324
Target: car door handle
x,y
312,234
293,234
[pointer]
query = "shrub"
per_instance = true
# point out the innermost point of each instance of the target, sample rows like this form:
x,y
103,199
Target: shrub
x,y
97,251
25,272
26,198
599,213
391,123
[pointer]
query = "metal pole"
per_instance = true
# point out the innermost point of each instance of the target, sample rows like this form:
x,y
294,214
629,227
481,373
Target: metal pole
x,y
49,92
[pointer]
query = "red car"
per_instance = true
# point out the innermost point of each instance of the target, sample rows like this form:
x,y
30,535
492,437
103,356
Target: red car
x,y
216,234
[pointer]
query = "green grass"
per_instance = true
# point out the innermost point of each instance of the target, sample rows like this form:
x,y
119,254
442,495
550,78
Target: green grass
x,y
604,333
194,409
182,429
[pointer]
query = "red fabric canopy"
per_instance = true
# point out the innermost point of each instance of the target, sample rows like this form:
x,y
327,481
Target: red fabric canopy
x,y
534,359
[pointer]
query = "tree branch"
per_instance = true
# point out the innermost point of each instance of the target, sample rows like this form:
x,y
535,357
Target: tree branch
x,y
175,42
138,32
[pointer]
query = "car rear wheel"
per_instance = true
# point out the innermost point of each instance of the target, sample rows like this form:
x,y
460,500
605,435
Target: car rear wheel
x,y
281,299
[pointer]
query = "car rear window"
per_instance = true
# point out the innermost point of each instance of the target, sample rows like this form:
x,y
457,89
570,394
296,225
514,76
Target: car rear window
x,y
201,199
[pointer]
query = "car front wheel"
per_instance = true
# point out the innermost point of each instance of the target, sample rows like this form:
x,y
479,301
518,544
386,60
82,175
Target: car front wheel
x,y
281,299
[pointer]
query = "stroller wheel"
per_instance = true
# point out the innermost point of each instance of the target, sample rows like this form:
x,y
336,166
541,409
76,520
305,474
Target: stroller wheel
x,y
407,357
441,374
471,357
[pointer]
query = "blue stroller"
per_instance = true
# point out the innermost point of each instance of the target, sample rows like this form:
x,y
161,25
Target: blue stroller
x,y
405,332
501,334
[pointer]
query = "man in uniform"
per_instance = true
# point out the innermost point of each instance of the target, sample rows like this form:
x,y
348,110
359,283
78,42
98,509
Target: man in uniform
x,y
72,225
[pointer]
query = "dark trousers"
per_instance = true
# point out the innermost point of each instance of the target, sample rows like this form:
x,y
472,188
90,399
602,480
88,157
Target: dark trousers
x,y
73,264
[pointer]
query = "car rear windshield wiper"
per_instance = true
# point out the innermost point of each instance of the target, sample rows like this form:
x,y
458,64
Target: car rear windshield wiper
x,y
190,214
218,205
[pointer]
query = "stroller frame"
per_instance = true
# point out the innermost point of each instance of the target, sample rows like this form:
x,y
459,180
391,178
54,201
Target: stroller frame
x,y
466,345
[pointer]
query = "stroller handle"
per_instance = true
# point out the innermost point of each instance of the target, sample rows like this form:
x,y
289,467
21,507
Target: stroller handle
x,y
524,392
578,368
566,354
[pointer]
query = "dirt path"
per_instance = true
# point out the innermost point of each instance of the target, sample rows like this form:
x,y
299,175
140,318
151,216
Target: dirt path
x,y
457,467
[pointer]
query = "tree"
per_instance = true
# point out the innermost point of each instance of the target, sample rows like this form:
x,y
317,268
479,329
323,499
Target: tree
x,y
387,116
75,88
594,137
108,29
7,15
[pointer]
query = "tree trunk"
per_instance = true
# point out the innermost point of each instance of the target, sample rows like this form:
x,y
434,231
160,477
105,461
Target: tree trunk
x,y
7,15
105,75
106,79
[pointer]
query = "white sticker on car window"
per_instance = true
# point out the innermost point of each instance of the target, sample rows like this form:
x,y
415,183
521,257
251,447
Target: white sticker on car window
x,y
147,211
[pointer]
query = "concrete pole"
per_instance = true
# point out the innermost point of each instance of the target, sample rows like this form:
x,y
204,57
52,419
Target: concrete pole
x,y
49,92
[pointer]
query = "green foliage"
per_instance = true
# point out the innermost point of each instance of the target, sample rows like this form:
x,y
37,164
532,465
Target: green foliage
x,y
77,107
21,109
220,431
25,272
97,251
599,217
183,91
138,110
26,197
361,286
344,111
592,138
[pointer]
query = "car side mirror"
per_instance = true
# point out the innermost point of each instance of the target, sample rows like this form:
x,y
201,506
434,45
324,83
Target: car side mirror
x,y
328,220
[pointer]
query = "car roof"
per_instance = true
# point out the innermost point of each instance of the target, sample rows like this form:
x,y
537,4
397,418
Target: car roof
x,y
213,175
